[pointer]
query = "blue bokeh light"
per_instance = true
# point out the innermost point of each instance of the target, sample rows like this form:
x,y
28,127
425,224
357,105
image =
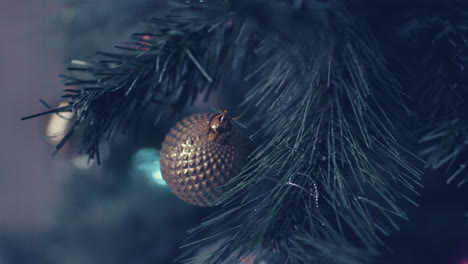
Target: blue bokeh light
x,y
145,162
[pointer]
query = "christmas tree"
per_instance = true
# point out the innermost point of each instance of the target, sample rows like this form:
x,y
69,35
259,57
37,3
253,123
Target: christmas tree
x,y
346,125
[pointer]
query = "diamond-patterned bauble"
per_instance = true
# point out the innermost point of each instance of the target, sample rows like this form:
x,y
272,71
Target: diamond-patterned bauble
x,y
199,156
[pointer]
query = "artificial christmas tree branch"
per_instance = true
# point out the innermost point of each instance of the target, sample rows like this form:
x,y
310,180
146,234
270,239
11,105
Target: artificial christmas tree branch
x,y
331,172
322,125
160,68
435,39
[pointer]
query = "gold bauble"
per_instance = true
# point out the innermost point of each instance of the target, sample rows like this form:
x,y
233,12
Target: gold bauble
x,y
199,156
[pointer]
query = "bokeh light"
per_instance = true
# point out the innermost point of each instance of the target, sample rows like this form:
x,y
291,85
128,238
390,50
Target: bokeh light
x,y
145,163
58,125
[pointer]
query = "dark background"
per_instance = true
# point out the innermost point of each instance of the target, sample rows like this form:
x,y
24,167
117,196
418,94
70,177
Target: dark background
x,y
36,40
32,52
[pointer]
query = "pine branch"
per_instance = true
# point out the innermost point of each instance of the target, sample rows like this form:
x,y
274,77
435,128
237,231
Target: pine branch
x,y
328,177
168,65
441,85
330,170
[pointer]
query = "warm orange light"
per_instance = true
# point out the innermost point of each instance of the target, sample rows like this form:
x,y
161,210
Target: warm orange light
x,y
58,125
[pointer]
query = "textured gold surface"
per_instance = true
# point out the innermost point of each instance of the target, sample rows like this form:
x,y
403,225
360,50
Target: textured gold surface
x,y
197,170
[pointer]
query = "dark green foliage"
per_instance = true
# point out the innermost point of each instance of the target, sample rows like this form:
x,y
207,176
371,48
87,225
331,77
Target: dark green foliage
x,y
322,126
330,173
437,39
167,67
